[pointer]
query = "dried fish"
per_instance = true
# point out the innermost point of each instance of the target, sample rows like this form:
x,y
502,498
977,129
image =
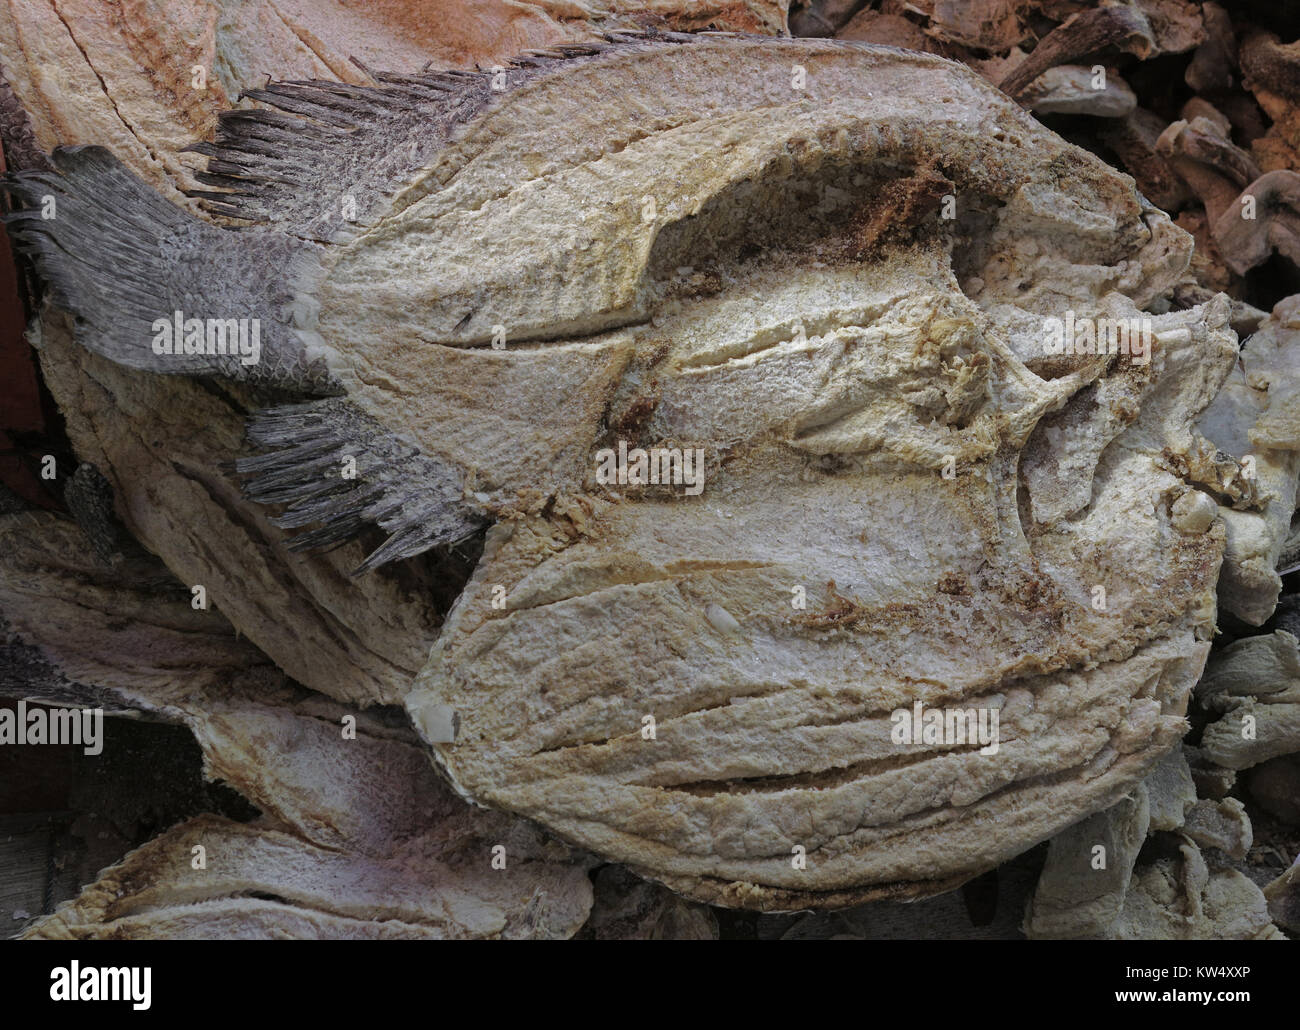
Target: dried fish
x,y
947,440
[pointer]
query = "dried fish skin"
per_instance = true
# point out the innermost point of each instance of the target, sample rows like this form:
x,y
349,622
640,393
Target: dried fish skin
x,y
771,726
839,295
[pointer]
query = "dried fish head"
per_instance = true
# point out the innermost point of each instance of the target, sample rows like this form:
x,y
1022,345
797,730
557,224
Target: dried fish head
x,y
844,530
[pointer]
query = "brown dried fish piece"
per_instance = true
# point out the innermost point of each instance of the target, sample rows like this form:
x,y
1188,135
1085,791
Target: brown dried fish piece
x,y
1265,218
1251,212
1271,68
1133,138
1272,74
1213,66
1212,165
1176,25
994,25
723,307
1088,32
1072,89
873,26
768,17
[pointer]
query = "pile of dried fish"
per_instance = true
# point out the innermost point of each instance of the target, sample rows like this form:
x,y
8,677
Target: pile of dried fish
x,y
785,469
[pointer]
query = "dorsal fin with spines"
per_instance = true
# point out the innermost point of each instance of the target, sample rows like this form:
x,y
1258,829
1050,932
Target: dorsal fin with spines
x,y
293,161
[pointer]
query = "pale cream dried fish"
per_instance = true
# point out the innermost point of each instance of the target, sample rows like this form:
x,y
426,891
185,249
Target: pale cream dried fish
x,y
832,272
357,836
1255,683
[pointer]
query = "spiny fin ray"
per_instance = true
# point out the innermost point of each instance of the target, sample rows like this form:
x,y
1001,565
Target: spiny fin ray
x,y
419,501
313,143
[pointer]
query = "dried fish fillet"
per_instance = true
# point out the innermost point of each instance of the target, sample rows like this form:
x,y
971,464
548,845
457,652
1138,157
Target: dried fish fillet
x,y
826,275
1255,419
358,836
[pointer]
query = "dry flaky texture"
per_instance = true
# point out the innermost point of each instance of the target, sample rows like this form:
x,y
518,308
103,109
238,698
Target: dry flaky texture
x,y
123,74
987,24
1255,683
1092,886
357,837
1220,824
873,26
1089,867
1283,896
1170,791
830,361
1184,898
128,629
259,883
162,443
828,366
1257,414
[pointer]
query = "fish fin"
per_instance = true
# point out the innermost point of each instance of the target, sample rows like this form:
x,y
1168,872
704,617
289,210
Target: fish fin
x,y
332,464
318,156
124,261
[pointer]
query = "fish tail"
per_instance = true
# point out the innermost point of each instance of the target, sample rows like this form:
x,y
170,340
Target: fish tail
x,y
153,287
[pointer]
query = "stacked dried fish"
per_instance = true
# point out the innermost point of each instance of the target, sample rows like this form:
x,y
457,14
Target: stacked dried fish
x,y
905,500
